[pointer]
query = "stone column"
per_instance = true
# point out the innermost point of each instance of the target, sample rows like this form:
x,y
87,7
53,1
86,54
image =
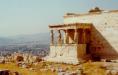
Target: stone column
x,y
84,36
76,36
52,38
66,37
59,38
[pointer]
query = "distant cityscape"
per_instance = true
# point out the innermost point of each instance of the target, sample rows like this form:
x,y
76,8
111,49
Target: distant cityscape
x,y
36,44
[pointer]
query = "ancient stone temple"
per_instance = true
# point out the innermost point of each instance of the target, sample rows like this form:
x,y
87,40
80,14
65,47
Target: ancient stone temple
x,y
92,35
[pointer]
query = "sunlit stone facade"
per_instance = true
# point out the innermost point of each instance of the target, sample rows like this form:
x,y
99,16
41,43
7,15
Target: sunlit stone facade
x,y
91,35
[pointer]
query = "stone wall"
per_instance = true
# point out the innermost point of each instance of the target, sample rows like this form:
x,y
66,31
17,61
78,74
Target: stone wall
x,y
63,51
104,33
70,53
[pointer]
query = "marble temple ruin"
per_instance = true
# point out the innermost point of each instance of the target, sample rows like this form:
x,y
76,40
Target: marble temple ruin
x,y
91,35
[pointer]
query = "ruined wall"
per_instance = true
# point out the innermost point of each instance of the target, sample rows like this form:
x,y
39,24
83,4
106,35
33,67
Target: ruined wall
x,y
104,33
64,51
70,53
63,54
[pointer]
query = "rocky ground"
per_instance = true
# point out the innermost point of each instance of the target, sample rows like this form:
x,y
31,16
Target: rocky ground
x,y
49,68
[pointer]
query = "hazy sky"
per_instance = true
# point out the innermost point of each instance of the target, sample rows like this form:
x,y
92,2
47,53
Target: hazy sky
x,y
33,16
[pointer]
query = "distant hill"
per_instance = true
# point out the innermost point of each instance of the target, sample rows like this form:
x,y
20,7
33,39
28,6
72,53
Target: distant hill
x,y
40,38
5,41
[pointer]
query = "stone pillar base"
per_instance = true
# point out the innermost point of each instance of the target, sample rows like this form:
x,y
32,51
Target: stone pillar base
x,y
60,59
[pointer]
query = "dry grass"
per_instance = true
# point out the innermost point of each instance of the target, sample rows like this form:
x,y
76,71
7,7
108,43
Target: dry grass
x,y
89,68
24,71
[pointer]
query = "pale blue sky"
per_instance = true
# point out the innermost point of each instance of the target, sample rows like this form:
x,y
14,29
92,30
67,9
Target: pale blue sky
x,y
33,16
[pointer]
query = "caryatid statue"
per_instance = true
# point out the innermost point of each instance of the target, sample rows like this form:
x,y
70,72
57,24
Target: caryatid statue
x,y
59,37
52,37
76,36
